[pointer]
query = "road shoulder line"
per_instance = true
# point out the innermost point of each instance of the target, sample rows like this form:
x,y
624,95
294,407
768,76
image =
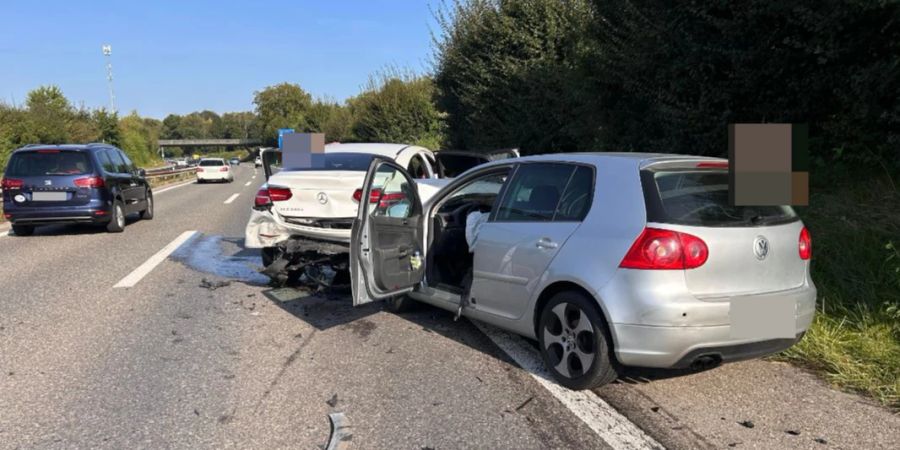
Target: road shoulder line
x,y
603,419
141,271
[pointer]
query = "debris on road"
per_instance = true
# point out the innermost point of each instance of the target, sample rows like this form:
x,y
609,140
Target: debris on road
x,y
792,432
747,424
518,408
820,441
333,401
213,285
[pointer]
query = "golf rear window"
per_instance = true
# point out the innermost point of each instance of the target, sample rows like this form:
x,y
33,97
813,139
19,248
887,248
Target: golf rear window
x,y
44,163
700,198
212,162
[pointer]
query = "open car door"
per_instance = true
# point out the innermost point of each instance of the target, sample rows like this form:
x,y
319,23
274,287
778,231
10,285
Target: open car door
x,y
271,161
386,255
452,163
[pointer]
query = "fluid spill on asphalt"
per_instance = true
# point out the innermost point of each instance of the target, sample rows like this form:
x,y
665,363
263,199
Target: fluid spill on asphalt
x,y
206,254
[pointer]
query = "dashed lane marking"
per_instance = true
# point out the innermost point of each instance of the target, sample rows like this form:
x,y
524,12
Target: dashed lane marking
x,y
247,183
231,199
137,274
612,427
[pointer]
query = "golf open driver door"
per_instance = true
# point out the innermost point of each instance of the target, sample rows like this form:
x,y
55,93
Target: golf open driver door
x,y
386,255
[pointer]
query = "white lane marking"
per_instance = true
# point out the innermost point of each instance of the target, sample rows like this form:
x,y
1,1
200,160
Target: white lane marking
x,y
247,183
137,274
611,426
173,187
231,199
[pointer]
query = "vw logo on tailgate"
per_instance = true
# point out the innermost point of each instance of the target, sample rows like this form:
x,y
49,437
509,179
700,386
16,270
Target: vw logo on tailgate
x,y
761,247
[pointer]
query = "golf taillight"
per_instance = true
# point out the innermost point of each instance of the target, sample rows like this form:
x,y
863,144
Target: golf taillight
x,y
280,194
89,182
805,244
12,183
657,249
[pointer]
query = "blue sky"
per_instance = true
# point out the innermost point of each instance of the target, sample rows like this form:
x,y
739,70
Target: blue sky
x,y
178,57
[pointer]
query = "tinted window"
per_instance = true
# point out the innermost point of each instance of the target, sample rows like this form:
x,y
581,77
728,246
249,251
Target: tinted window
x,y
212,162
106,162
129,166
338,161
534,192
451,165
692,197
576,200
48,163
117,160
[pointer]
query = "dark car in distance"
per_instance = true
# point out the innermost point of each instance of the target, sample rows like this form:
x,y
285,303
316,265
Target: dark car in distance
x,y
66,184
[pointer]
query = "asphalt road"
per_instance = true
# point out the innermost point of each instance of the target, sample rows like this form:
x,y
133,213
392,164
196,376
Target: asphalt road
x,y
178,361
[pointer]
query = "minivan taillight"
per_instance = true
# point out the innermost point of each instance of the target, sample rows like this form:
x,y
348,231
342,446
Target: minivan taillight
x,y
805,244
12,183
89,182
280,194
657,249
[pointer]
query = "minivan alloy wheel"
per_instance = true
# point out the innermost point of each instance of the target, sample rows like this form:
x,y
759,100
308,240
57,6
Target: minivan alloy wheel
x,y
570,341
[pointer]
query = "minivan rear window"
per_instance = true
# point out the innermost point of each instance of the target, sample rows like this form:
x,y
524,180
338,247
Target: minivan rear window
x,y
700,198
43,163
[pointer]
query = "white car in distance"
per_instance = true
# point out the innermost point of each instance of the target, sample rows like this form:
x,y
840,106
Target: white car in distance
x,y
214,169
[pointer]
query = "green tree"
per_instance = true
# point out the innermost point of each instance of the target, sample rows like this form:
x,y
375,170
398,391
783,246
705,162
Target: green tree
x,y
108,126
50,113
507,75
238,125
284,105
398,108
331,118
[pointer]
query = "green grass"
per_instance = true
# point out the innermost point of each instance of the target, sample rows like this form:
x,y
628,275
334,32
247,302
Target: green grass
x,y
854,341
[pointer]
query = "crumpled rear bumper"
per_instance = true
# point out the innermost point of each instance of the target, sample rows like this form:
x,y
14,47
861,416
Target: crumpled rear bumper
x,y
266,229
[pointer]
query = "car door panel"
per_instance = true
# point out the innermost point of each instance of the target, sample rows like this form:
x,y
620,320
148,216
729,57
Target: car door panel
x,y
386,254
510,258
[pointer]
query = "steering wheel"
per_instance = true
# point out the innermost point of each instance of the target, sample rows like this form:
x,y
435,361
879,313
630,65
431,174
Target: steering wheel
x,y
461,212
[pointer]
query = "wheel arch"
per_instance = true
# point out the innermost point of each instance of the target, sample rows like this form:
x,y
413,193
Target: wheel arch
x,y
567,285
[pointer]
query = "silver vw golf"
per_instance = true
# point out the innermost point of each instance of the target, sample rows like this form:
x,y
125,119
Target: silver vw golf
x,y
606,259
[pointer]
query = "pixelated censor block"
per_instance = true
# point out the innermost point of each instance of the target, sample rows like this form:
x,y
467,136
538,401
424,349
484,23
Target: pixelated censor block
x,y
298,148
768,164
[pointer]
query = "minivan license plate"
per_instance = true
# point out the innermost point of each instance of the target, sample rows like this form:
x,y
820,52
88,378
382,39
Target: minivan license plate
x,y
49,196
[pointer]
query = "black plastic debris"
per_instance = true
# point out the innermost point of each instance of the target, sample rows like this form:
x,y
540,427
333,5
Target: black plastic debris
x,y
820,441
792,432
654,409
518,408
213,285
747,424
333,401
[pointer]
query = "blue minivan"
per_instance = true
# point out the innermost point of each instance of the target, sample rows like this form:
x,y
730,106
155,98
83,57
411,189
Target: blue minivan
x,y
64,184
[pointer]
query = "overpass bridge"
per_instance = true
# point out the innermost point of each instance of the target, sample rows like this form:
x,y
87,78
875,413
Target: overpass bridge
x,y
182,143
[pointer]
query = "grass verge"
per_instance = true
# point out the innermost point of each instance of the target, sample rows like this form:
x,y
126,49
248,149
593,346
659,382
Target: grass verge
x,y
854,341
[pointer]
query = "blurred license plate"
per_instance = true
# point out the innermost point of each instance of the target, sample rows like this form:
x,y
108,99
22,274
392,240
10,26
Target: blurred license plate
x,y
49,196
762,317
